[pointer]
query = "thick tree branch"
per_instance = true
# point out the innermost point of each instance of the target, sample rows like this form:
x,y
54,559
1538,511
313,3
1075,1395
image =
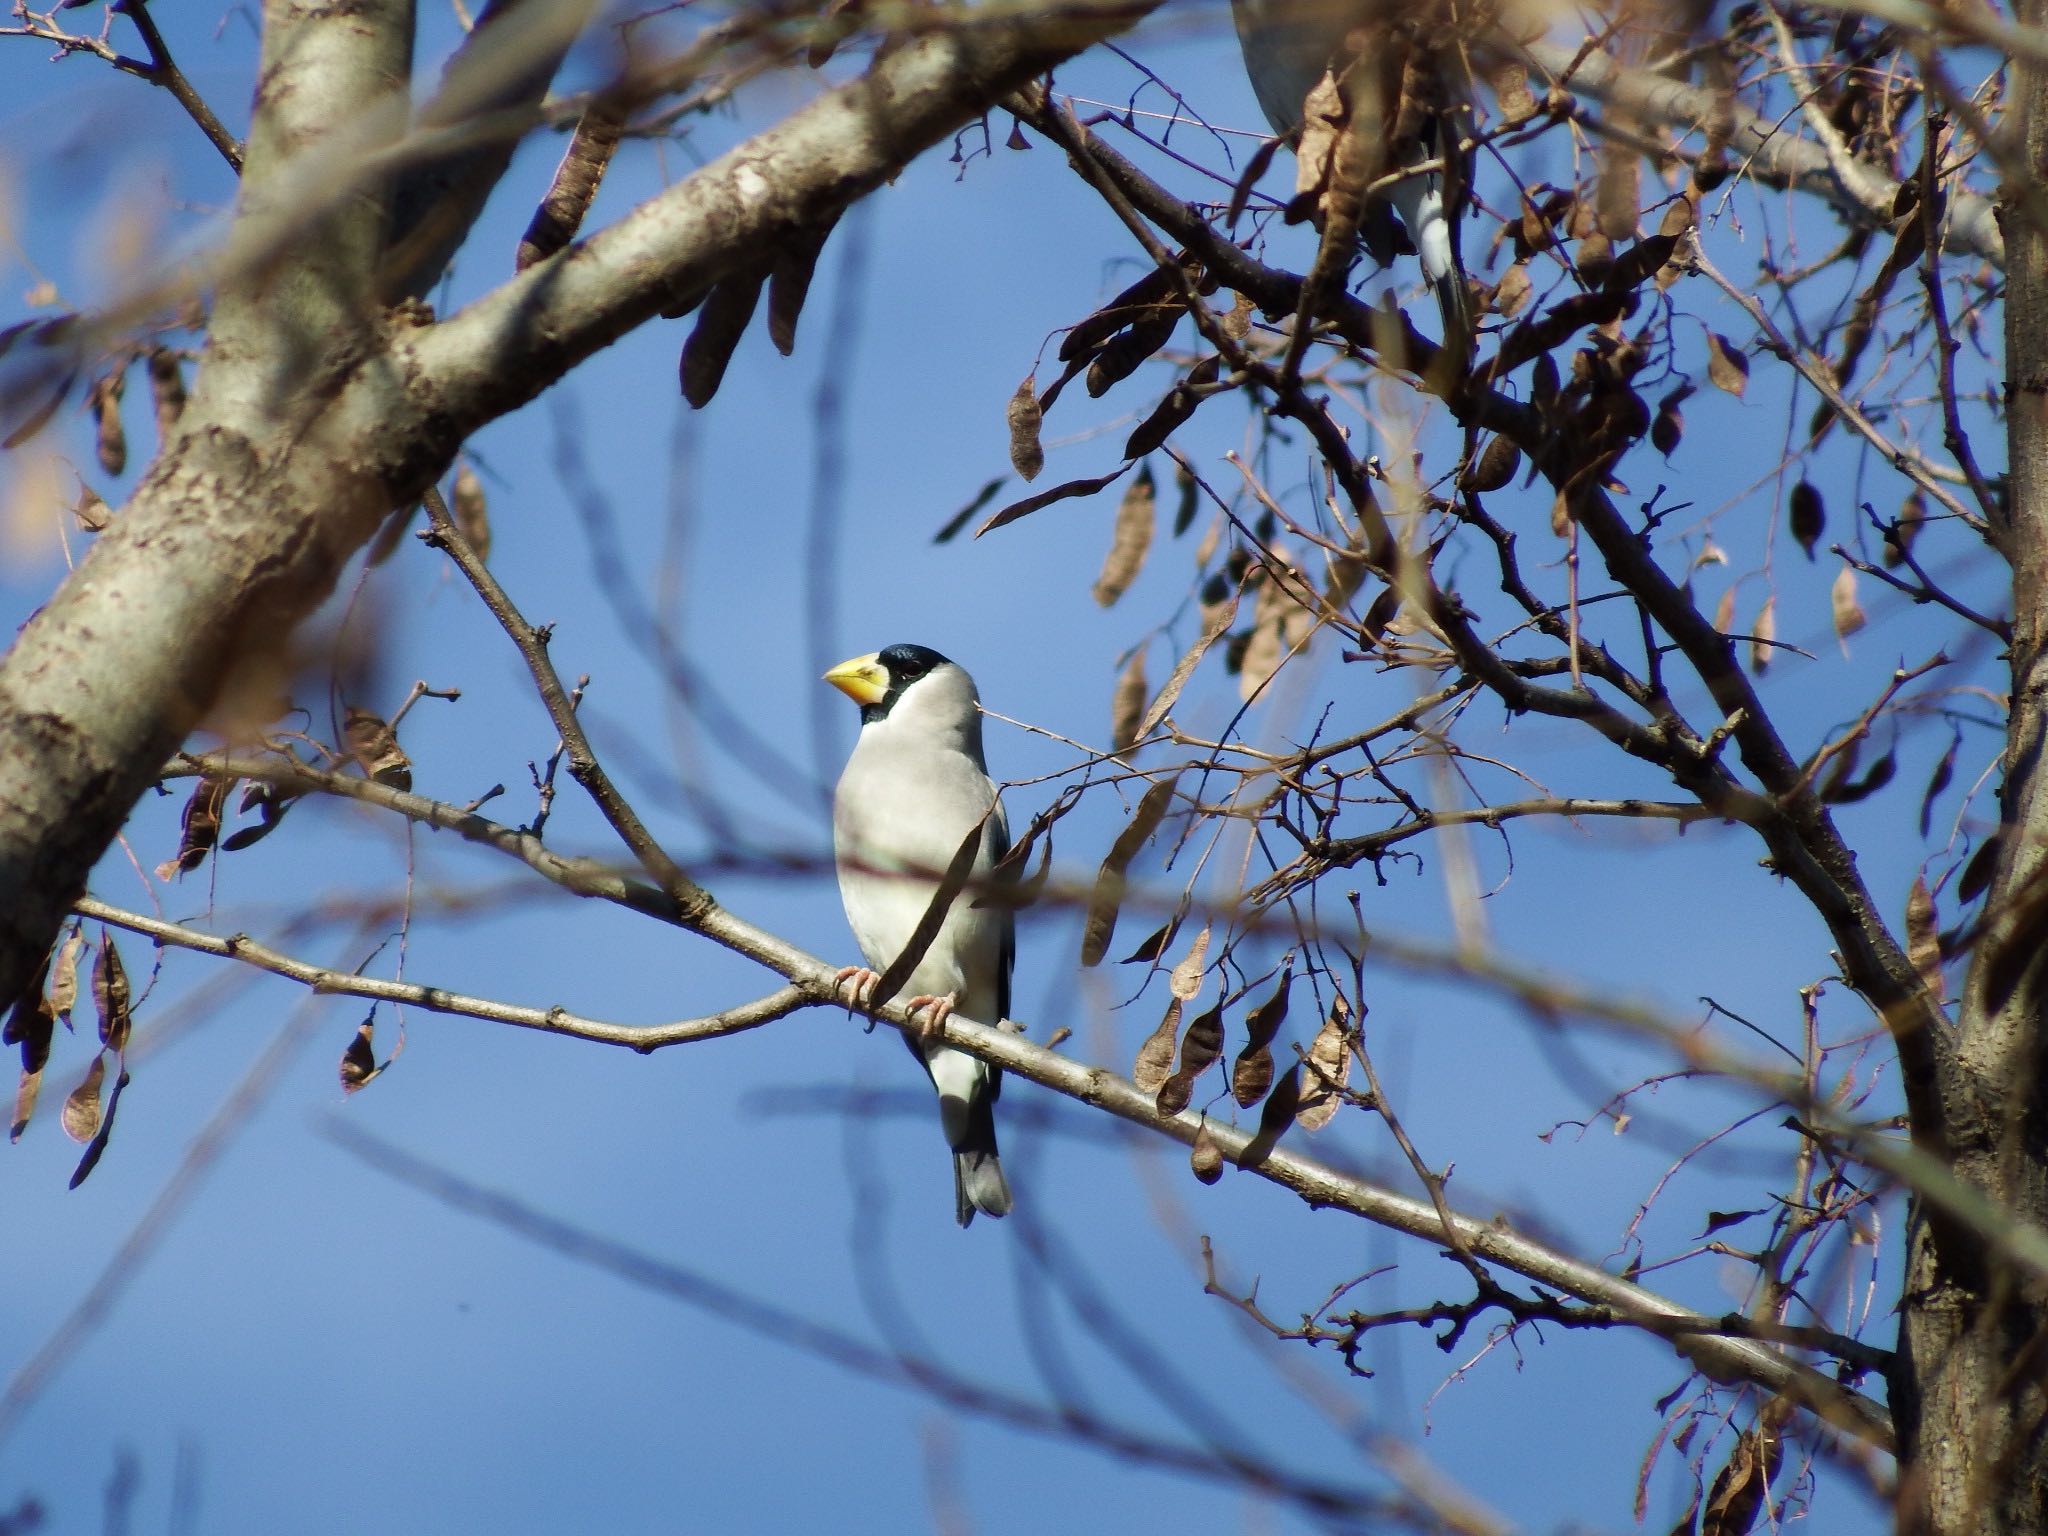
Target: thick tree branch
x,y
1762,146
245,521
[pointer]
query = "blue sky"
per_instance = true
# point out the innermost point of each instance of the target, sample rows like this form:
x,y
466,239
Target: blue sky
x,y
335,1351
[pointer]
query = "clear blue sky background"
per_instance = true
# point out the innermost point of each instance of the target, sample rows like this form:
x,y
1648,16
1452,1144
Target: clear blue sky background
x,y
315,1347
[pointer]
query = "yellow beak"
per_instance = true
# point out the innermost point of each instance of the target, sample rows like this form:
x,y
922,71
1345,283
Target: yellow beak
x,y
862,679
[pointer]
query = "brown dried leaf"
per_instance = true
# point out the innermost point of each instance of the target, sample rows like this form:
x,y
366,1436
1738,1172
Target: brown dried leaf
x,y
471,512
1135,520
1155,1057
1025,416
1329,1054
359,1061
110,995
1848,613
1107,896
374,746
1726,364
81,1113
1923,935
1205,1158
98,1145
1127,703
1761,634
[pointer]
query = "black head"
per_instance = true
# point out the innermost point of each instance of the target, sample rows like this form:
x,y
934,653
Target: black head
x,y
905,664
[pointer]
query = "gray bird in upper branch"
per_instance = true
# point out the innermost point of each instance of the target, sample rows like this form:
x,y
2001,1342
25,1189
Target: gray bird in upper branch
x,y
1381,52
914,793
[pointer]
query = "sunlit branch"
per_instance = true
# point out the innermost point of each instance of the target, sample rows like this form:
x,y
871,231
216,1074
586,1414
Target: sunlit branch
x,y
556,1021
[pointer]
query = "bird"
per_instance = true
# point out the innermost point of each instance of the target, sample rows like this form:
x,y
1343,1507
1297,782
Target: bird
x,y
1289,45
913,793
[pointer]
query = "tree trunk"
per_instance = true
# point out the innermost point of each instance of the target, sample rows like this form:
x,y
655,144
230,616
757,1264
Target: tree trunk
x,y
1970,1387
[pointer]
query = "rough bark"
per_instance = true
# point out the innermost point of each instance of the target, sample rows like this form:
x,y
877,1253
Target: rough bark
x,y
1970,1388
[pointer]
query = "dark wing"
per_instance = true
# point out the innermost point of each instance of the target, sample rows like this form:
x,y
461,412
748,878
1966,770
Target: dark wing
x,y
998,846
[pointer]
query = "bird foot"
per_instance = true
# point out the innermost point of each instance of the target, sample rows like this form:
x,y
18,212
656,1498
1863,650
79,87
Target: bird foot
x,y
935,1011
854,985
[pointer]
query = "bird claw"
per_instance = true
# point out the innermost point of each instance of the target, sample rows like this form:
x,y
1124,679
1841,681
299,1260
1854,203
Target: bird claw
x,y
854,985
935,1011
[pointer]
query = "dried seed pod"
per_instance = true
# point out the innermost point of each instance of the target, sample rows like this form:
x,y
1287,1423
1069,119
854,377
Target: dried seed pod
x,y
1253,1073
91,509
1154,1064
200,826
374,746
1127,703
569,196
63,991
716,336
1169,415
1199,1048
1108,893
1135,520
81,1113
1205,1158
1848,613
110,439
1806,515
110,995
471,512
1726,364
1329,1061
1185,982
789,281
1898,539
1761,634
1494,468
1026,416
359,1060
166,390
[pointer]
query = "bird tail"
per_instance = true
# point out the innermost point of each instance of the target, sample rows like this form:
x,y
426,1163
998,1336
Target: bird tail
x,y
978,1182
